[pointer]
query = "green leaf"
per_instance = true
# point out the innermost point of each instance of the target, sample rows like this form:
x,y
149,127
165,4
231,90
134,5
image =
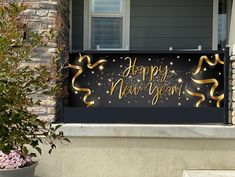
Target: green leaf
x,y
57,127
25,150
67,140
32,155
39,150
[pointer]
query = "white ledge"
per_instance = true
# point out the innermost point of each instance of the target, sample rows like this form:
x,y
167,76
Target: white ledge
x,y
209,173
149,131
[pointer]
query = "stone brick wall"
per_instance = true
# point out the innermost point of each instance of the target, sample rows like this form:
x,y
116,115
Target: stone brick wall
x,y
39,16
42,15
232,89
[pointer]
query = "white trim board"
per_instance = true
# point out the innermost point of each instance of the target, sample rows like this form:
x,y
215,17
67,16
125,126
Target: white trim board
x,y
149,131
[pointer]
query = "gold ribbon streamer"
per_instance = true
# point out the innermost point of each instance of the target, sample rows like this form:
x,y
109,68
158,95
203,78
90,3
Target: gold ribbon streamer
x,y
79,72
212,90
201,96
204,57
89,65
78,89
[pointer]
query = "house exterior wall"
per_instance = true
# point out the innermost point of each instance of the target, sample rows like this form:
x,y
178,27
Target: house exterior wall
x,y
159,24
42,15
163,24
136,157
121,157
47,14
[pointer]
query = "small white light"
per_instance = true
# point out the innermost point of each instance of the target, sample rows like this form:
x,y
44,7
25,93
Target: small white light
x,y
101,67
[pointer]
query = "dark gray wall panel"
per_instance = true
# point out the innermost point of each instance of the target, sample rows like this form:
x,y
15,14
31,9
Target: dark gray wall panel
x,y
171,11
77,24
174,3
160,24
164,43
172,32
173,22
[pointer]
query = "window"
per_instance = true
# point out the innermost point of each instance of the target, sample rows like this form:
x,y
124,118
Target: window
x,y
222,10
106,24
223,13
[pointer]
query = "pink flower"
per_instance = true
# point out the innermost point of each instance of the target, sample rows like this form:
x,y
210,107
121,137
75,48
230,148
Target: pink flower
x,y
14,160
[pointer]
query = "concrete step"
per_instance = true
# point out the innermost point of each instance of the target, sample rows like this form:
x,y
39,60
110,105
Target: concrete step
x,y
209,173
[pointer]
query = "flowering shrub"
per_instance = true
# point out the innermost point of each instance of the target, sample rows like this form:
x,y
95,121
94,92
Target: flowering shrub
x,y
20,80
14,160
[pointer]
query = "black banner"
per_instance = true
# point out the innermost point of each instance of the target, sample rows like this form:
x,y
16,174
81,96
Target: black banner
x,y
163,85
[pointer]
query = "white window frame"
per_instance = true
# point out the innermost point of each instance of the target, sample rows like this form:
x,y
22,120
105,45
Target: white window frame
x,y
125,14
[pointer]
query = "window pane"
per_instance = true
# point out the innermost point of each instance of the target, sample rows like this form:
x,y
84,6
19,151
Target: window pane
x,y
222,24
107,6
106,32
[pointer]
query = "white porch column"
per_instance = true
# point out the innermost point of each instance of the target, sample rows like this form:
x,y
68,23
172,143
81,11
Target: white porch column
x,y
232,30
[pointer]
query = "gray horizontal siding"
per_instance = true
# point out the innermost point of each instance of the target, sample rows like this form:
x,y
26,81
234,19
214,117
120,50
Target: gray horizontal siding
x,y
171,11
160,24
174,3
173,22
77,24
164,43
171,32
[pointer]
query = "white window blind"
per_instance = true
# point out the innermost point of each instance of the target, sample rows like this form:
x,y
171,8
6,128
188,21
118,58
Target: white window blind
x,y
106,32
106,6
